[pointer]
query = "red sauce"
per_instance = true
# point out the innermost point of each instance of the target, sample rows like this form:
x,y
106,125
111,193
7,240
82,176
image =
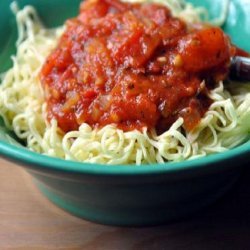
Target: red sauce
x,y
133,65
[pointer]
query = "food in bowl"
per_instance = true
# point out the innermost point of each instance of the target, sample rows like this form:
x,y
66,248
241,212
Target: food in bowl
x,y
125,83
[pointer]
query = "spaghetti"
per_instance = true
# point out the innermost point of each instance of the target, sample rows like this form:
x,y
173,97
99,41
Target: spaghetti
x,y
225,124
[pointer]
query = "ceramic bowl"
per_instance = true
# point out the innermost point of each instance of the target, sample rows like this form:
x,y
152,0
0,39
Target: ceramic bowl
x,y
125,195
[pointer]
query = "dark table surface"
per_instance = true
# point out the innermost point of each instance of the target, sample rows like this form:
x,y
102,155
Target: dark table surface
x,y
29,221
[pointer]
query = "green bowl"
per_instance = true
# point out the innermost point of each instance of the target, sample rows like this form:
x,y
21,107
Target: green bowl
x,y
125,195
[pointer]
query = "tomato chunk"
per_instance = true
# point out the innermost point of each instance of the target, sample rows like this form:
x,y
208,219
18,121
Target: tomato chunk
x,y
204,49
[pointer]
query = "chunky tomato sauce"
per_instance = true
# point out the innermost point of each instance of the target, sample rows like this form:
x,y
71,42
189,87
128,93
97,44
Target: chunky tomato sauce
x,y
133,65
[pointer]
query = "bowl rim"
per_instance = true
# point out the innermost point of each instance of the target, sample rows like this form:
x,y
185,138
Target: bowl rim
x,y
35,160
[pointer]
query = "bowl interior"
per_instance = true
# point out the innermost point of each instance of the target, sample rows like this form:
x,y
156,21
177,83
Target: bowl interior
x,y
53,13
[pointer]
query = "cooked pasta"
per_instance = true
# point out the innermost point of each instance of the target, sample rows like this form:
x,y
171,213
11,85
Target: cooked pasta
x,y
22,107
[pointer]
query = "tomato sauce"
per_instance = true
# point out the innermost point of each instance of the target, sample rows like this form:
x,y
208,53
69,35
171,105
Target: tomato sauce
x,y
133,65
